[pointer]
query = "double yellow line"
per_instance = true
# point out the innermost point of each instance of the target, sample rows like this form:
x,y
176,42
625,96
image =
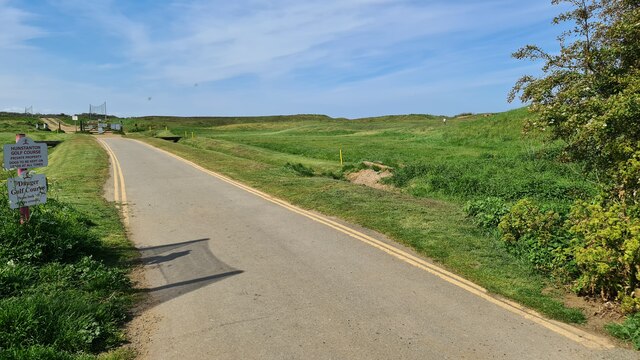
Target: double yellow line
x,y
582,337
119,189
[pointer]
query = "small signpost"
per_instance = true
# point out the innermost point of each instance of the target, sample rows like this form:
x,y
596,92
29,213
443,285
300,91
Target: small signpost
x,y
75,121
26,190
25,154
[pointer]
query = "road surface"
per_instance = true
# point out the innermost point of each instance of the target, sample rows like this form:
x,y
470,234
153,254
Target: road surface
x,y
235,274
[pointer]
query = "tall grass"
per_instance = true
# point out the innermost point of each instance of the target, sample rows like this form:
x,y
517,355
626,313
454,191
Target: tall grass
x,y
53,295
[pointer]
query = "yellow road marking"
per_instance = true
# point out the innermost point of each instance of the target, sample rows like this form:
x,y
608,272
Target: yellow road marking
x,y
120,191
571,332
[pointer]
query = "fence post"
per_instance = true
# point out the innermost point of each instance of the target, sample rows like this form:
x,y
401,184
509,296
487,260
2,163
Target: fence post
x,y
24,210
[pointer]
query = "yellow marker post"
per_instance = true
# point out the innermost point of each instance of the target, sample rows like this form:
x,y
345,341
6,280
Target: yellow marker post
x,y
341,163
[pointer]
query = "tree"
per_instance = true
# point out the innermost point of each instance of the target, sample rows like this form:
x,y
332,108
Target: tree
x,y
589,95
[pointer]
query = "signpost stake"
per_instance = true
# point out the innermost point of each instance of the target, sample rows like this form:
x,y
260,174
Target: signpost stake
x,y
24,210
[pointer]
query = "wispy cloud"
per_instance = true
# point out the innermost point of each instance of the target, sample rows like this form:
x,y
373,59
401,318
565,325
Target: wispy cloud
x,y
14,28
203,41
341,57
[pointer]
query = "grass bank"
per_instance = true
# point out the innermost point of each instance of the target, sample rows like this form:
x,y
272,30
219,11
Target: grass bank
x,y
431,220
63,276
77,173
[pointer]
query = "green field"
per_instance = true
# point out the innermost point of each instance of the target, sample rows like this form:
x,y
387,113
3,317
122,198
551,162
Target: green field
x,y
437,169
468,158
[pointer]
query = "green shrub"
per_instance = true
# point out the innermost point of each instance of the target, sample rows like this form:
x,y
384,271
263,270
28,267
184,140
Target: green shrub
x,y
630,303
486,213
538,236
629,330
55,232
491,177
606,245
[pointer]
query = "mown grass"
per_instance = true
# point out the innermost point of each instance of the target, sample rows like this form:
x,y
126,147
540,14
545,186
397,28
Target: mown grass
x,y
64,293
432,221
12,124
77,173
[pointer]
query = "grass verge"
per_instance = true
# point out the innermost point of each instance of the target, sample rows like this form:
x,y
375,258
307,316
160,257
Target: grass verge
x,y
63,276
629,330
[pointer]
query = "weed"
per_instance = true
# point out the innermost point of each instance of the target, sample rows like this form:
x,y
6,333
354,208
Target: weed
x,y
538,236
486,213
629,330
55,232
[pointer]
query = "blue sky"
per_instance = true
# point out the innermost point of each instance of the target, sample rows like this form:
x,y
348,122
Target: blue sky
x,y
343,58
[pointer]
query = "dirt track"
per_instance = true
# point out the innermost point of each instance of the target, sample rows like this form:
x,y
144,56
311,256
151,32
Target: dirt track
x,y
54,123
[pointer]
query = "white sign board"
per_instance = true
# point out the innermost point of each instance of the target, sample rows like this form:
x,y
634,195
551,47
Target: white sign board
x,y
116,127
74,117
27,191
25,154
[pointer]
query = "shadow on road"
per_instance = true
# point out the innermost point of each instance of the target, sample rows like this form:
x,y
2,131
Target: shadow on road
x,y
176,269
206,280
157,259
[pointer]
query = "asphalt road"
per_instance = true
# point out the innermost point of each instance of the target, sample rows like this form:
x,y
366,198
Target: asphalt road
x,y
235,275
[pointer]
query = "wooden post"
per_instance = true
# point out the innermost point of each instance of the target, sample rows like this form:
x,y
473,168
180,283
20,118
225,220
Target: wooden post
x,y
24,210
341,163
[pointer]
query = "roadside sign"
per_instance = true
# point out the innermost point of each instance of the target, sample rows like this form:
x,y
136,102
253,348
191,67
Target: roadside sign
x,y
74,117
25,154
27,191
